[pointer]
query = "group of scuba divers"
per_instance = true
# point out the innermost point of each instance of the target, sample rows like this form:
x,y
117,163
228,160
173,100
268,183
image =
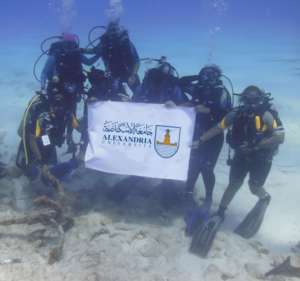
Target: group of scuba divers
x,y
254,130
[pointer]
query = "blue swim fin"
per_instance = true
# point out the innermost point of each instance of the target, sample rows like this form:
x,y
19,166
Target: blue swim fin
x,y
61,171
194,219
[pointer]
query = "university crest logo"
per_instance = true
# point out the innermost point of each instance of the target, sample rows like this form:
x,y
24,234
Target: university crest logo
x,y
166,140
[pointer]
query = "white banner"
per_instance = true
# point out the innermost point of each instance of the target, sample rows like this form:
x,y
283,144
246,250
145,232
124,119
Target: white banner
x,y
140,139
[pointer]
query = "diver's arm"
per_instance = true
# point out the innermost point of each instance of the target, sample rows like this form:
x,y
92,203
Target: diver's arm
x,y
136,67
187,104
212,132
89,51
215,130
274,140
89,61
34,147
50,63
186,80
137,94
133,79
277,136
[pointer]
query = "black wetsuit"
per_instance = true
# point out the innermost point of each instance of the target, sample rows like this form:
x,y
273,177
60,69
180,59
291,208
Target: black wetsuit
x,y
257,163
204,158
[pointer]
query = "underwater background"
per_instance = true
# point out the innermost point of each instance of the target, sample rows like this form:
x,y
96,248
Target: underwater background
x,y
254,43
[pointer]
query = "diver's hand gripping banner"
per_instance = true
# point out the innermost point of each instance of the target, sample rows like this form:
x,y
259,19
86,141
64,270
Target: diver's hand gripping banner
x,y
140,139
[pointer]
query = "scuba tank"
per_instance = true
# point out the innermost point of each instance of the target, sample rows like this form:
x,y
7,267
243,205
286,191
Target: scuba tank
x,y
32,112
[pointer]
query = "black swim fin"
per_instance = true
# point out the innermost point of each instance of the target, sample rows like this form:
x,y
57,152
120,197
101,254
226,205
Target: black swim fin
x,y
252,222
205,236
123,188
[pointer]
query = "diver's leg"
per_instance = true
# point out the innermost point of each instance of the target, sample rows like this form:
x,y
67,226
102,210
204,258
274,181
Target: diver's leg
x,y
238,172
18,169
258,174
13,171
209,180
258,171
193,173
210,154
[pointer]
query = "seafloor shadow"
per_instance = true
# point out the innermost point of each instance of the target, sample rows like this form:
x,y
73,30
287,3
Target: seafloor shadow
x,y
86,191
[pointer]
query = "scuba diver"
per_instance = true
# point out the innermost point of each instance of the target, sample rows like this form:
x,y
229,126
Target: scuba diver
x,y
158,86
119,56
211,101
44,127
103,89
64,71
255,136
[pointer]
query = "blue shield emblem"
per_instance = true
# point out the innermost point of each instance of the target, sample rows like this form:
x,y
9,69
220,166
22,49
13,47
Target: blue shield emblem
x,y
166,140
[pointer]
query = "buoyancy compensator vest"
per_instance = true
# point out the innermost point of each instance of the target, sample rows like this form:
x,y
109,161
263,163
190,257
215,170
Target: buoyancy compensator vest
x,y
117,54
68,65
212,101
251,129
55,127
36,106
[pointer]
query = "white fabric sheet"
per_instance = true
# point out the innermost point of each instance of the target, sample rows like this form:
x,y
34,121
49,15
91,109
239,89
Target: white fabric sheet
x,y
140,139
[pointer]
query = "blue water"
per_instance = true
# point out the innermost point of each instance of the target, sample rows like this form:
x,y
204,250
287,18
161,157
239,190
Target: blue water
x,y
254,42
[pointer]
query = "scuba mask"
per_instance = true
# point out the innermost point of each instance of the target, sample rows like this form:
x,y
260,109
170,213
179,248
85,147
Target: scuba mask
x,y
69,46
208,78
152,81
251,102
166,69
98,79
252,99
58,104
115,33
